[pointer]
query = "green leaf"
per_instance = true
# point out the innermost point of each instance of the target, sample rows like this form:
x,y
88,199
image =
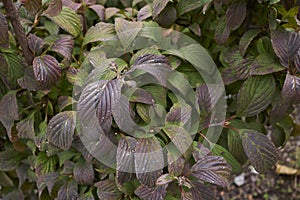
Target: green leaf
x,y
235,145
9,159
61,129
5,180
221,151
246,39
68,20
180,138
15,67
100,32
185,6
255,95
265,64
259,149
127,31
222,31
45,163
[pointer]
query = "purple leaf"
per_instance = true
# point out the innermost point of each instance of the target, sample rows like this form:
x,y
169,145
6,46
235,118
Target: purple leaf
x,y
144,12
35,44
156,65
200,151
84,173
179,114
236,14
54,8
33,6
9,111
61,129
286,46
68,191
100,11
297,61
222,31
290,93
239,68
107,190
175,161
71,4
64,46
25,128
142,96
259,149
48,180
149,160
158,6
4,40
202,191
125,160
46,70
212,169
165,179
153,193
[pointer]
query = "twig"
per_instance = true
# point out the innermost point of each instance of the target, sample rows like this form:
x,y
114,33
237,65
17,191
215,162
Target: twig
x,y
13,16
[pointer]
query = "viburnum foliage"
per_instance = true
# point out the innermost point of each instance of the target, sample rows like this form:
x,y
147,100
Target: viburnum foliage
x,y
57,74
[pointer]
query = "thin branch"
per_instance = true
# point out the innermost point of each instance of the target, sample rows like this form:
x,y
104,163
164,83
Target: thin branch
x,y
13,16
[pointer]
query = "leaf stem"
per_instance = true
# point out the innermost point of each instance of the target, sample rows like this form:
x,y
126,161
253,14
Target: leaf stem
x,y
13,16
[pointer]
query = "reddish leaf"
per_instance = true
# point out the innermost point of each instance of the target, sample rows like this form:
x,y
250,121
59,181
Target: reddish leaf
x,y
222,31
125,160
149,161
64,46
68,191
236,14
4,41
154,193
158,6
144,13
165,179
286,46
35,44
61,129
179,114
46,70
100,11
212,169
84,173
107,190
290,93
259,149
25,128
202,191
33,6
54,8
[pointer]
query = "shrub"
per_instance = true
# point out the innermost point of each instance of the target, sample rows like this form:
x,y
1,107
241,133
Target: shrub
x,y
119,99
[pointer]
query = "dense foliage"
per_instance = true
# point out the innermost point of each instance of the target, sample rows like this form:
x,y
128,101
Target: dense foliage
x,y
66,66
